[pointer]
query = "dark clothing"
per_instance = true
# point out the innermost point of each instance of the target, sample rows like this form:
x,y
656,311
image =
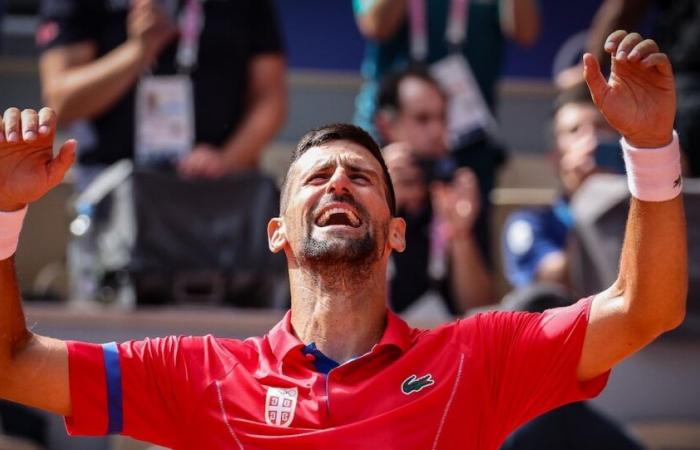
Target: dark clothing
x,y
678,33
22,422
572,427
235,31
2,13
411,278
688,117
484,157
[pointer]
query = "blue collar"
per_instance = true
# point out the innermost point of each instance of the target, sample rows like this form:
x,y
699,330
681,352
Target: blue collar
x,y
322,363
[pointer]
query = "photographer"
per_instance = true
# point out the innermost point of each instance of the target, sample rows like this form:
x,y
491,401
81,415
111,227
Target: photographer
x,y
439,201
535,239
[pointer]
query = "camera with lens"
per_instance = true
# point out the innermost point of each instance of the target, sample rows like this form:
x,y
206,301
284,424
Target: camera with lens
x,y
441,169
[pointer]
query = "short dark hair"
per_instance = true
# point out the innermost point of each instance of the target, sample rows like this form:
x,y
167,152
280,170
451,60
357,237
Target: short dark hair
x,y
339,132
577,93
388,94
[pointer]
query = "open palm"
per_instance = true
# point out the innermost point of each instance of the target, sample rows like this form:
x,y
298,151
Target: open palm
x,y
28,168
639,98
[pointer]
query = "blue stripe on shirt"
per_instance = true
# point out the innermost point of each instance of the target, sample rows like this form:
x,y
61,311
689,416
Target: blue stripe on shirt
x,y
114,388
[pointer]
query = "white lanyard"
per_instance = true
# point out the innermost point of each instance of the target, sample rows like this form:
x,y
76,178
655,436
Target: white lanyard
x,y
455,33
191,22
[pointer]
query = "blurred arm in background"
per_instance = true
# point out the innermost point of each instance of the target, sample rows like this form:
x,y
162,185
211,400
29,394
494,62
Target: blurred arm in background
x,y
382,19
611,15
520,21
265,115
78,85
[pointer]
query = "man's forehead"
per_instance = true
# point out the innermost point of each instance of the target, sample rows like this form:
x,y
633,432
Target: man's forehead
x,y
344,153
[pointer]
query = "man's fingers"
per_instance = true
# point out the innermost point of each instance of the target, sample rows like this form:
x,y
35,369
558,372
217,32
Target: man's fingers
x,y
30,124
642,50
58,167
47,121
614,40
626,46
660,61
594,78
11,119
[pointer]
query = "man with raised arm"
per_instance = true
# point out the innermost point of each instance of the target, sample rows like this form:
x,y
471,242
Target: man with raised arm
x,y
340,370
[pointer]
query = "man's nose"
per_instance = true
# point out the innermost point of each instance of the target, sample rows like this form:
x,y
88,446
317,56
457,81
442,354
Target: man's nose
x,y
339,182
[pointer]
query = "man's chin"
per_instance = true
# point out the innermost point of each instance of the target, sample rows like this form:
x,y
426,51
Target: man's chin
x,y
339,246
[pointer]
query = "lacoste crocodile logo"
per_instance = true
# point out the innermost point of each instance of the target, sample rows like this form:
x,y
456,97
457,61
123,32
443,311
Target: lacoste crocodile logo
x,y
414,384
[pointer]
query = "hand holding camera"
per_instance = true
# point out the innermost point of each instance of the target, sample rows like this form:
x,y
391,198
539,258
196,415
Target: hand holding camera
x,y
456,203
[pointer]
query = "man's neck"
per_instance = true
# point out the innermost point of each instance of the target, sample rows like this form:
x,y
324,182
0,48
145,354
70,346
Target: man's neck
x,y
343,315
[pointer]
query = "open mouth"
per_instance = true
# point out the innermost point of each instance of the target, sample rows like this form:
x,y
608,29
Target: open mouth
x,y
338,216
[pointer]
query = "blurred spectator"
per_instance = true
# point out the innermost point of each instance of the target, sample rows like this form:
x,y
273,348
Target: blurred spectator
x,y
534,240
439,202
21,422
102,69
462,42
576,426
192,86
412,107
677,31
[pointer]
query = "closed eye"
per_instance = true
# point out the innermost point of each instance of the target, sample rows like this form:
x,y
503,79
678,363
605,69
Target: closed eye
x,y
362,179
317,178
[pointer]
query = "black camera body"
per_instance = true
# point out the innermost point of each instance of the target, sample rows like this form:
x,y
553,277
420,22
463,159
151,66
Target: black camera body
x,y
441,169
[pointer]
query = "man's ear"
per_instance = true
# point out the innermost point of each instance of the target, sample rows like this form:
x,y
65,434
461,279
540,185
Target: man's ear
x,y
397,234
276,235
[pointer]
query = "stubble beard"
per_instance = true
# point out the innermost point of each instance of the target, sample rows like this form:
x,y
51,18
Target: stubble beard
x,y
340,250
343,254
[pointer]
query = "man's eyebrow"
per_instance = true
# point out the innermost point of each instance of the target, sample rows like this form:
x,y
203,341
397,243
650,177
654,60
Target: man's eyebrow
x,y
363,169
318,167
349,165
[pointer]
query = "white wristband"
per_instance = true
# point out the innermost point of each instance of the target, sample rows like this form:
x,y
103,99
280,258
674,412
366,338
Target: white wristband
x,y
653,174
10,227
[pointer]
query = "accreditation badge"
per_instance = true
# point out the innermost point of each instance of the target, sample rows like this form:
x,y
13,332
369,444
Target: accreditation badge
x,y
468,114
164,129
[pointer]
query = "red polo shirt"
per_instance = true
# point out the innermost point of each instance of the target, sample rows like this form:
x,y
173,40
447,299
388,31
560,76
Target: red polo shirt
x,y
467,384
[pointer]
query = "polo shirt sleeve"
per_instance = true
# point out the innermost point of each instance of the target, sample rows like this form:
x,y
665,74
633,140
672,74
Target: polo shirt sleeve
x,y
531,361
268,37
139,388
525,244
63,22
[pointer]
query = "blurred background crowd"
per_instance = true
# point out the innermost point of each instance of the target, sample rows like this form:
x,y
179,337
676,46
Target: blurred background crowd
x,y
511,182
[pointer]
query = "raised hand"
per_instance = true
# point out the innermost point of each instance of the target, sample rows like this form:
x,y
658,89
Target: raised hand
x,y
639,98
28,168
204,161
457,204
148,23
